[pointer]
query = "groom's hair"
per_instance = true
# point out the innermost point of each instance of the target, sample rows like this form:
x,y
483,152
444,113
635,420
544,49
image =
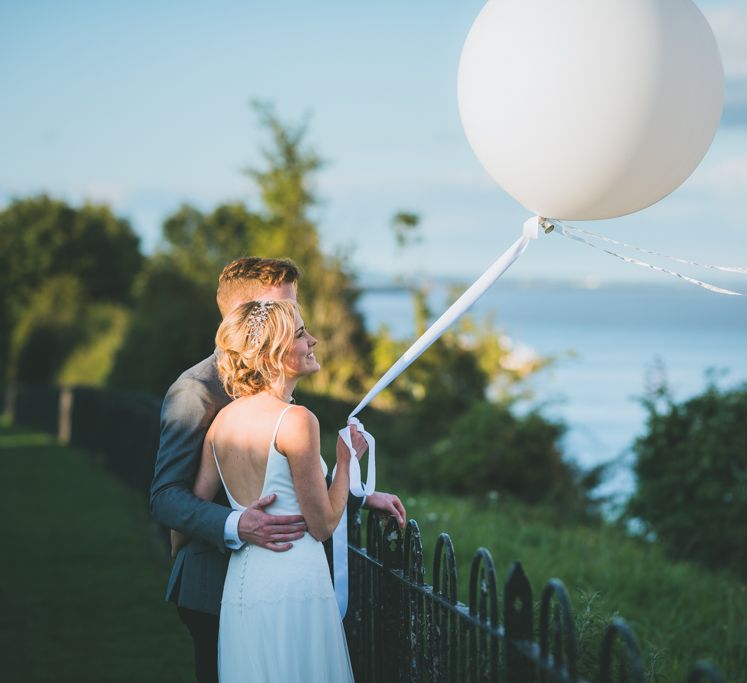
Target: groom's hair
x,y
245,278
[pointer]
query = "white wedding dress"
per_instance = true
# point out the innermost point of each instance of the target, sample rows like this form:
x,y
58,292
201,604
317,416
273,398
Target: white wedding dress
x,y
279,619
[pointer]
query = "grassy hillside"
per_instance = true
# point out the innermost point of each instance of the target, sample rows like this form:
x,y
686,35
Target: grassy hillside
x,y
679,612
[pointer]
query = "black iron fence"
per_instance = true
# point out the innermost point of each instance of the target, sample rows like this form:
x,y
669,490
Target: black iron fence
x,y
400,629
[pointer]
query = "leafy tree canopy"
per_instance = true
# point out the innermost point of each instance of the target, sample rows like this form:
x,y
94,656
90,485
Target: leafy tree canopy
x,y
42,237
691,470
172,327
178,289
46,242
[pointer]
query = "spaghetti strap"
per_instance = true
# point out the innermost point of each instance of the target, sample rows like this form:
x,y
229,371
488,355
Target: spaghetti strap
x,y
234,503
277,427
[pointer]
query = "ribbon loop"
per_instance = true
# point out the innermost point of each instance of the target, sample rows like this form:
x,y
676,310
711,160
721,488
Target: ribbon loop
x,y
357,487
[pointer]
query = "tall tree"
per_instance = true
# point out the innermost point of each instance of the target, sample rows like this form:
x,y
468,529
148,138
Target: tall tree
x,y
179,287
328,293
286,184
43,239
173,327
200,244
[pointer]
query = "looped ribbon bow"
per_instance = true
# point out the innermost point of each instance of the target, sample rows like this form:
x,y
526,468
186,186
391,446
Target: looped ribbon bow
x,y
357,488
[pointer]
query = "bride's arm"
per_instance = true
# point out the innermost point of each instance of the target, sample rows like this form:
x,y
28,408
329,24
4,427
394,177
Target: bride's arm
x,y
206,486
207,482
299,440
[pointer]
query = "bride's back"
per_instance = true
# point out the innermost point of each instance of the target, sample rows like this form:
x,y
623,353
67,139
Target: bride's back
x,y
242,434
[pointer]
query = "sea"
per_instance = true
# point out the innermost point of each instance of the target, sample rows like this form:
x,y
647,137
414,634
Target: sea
x,y
609,343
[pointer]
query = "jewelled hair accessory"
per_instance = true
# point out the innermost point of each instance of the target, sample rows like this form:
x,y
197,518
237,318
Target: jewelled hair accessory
x,y
257,319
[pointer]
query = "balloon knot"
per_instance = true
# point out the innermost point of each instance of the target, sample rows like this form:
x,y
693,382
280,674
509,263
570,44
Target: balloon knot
x,y
531,227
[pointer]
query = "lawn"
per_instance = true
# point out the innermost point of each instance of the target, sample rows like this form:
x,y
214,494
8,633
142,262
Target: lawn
x,y
82,573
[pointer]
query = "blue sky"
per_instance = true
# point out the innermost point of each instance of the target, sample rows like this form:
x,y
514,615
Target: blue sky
x,y
145,105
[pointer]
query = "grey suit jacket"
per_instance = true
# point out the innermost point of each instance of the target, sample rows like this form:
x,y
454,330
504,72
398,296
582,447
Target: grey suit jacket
x,y
190,405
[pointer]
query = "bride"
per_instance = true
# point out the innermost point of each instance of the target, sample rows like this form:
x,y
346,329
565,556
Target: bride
x,y
279,620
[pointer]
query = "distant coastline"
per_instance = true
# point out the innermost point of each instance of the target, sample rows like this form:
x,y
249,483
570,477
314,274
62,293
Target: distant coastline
x,y
375,283
605,341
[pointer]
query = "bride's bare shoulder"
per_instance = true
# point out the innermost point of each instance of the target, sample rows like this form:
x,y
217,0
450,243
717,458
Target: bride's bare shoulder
x,y
235,414
298,430
299,419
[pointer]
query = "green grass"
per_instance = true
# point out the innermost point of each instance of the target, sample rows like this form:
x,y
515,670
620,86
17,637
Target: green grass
x,y
82,575
679,612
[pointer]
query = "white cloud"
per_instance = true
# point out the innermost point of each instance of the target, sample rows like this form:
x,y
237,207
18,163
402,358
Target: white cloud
x,y
99,192
727,176
438,177
729,25
682,205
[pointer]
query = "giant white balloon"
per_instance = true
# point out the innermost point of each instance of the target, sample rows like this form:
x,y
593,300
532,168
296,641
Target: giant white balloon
x,y
586,109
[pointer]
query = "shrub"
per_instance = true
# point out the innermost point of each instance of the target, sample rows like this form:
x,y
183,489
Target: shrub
x,y
491,448
172,327
691,469
47,331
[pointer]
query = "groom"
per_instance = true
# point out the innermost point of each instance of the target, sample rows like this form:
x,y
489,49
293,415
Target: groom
x,y
191,403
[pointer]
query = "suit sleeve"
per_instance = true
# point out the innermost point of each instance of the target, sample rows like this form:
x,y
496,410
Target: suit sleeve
x,y
186,414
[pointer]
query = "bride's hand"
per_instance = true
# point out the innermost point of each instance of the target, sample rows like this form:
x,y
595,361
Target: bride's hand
x,y
359,444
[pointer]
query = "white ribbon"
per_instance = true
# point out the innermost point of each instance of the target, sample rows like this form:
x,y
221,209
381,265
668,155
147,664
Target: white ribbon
x,y
455,311
687,262
357,488
576,234
448,318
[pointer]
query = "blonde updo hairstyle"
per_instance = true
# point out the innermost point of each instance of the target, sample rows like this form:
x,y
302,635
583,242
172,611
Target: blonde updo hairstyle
x,y
253,341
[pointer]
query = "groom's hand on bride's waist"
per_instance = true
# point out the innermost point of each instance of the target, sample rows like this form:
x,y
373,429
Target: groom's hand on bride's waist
x,y
274,532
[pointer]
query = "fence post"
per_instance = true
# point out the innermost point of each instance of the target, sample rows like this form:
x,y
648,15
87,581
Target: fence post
x,y
630,663
480,645
9,401
392,603
517,619
65,415
355,618
560,620
374,630
443,625
414,571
